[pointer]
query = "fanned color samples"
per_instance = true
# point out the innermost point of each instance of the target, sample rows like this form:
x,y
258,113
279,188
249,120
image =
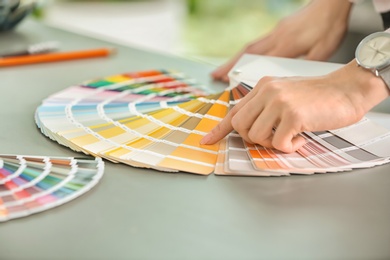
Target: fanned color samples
x,y
31,184
155,119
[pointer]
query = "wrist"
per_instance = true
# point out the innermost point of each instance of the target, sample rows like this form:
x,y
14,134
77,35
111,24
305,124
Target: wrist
x,y
367,90
336,7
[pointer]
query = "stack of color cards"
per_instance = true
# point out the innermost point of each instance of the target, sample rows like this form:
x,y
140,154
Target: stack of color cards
x,y
155,119
31,184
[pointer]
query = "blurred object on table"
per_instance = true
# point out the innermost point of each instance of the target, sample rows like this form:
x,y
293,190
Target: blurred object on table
x,y
14,11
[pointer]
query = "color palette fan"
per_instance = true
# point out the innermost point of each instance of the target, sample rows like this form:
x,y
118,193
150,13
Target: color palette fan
x,y
31,184
155,119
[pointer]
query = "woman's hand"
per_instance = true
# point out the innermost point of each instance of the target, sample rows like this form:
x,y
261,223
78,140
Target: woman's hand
x,y
314,32
277,110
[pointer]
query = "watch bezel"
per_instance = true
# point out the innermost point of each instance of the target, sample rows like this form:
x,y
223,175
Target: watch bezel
x,y
363,42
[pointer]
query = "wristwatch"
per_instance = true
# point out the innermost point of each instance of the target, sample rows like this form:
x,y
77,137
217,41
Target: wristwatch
x,y
373,53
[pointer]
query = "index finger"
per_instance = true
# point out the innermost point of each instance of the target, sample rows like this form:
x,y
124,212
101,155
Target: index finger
x,y
225,126
219,131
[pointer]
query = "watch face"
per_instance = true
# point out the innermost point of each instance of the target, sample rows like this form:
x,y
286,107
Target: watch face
x,y
374,51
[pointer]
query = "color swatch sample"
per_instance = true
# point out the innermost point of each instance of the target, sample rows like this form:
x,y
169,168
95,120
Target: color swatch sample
x,y
31,184
155,119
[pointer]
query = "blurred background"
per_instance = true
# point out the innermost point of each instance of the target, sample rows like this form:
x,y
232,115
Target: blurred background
x,y
209,31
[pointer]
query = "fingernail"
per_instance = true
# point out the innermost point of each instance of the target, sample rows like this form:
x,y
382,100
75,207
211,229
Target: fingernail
x,y
205,139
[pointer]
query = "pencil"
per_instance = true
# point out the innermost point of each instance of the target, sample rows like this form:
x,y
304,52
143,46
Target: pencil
x,y
57,56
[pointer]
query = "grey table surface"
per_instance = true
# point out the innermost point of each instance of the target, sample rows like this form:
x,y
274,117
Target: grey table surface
x,y
144,214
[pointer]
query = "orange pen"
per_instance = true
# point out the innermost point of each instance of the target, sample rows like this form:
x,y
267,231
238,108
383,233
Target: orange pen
x,y
56,56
